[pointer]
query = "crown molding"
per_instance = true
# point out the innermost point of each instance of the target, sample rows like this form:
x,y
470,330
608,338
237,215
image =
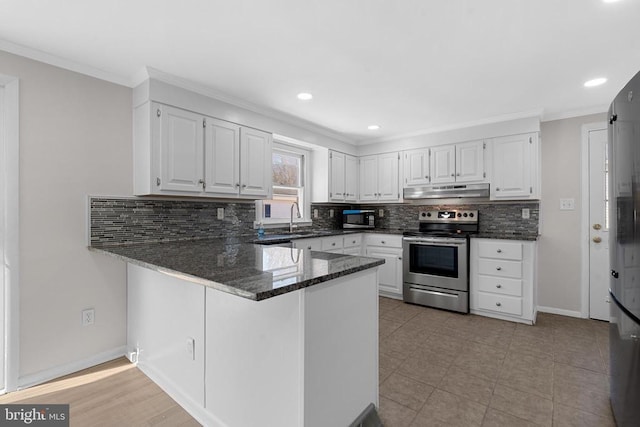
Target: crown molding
x,y
568,114
487,121
171,79
67,64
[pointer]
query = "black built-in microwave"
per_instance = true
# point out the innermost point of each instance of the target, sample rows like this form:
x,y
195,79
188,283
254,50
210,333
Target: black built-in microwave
x,y
358,218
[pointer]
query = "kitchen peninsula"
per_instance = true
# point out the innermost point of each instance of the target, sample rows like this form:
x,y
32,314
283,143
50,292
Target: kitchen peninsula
x,y
241,334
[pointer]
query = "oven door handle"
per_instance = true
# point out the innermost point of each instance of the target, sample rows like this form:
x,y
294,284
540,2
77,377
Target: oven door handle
x,y
427,291
438,240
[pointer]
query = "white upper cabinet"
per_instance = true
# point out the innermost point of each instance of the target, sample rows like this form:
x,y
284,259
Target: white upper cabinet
x,y
180,138
337,162
222,157
255,163
416,167
351,179
178,152
379,177
514,168
443,164
470,161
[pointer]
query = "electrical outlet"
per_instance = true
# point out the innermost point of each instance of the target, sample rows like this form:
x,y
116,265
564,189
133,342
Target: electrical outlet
x,y
315,213
330,213
567,204
526,213
220,213
381,213
88,317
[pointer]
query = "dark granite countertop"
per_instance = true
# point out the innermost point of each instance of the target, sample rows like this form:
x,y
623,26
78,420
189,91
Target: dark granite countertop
x,y
506,236
231,265
301,234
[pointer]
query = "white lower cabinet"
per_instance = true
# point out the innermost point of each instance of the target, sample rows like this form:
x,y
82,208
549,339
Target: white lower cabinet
x,y
389,248
503,280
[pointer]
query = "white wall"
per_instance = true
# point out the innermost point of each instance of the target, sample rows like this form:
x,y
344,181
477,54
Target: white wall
x,y
559,247
75,140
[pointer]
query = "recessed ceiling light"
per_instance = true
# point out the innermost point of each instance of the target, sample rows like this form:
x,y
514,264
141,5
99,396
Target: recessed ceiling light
x,y
304,96
373,127
595,82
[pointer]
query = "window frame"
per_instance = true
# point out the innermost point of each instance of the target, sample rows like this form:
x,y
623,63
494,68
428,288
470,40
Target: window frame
x,y
305,209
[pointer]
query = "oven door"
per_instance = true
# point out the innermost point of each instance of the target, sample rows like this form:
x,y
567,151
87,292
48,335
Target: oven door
x,y
440,262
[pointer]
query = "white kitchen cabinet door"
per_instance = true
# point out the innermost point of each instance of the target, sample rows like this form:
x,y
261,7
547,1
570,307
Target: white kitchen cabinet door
x,y
222,157
181,143
388,179
470,161
351,179
416,167
443,164
337,174
511,167
255,163
389,273
368,178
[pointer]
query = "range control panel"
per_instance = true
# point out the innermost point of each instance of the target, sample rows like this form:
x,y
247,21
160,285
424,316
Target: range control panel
x,y
448,216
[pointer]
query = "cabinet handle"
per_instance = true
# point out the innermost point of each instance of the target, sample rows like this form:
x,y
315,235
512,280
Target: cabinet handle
x,y
353,242
499,304
333,244
400,258
158,182
498,286
309,247
497,188
237,184
426,177
383,242
158,112
498,268
244,185
499,251
453,174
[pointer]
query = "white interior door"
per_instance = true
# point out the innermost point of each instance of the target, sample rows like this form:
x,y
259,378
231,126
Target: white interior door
x,y
598,226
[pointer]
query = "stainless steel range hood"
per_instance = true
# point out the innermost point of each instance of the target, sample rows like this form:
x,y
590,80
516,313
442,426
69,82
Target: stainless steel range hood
x,y
447,191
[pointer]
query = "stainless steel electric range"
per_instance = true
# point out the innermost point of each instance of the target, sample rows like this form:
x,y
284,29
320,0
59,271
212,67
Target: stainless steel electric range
x,y
436,260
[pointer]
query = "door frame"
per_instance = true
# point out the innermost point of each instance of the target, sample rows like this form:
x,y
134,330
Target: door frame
x,y
584,222
9,204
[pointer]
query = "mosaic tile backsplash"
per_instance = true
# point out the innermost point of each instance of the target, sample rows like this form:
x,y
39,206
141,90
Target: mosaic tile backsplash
x,y
117,221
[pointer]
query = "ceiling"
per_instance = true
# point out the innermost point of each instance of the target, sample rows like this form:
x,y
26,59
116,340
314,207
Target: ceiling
x,y
410,66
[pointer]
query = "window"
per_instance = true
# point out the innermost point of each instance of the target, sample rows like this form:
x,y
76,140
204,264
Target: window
x,y
289,178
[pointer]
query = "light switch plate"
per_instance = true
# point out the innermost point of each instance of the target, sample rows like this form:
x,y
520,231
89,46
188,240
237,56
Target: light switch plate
x,y
567,204
526,213
315,213
381,213
330,213
220,213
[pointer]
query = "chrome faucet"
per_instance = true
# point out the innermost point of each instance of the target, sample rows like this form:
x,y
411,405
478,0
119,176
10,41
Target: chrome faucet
x,y
291,218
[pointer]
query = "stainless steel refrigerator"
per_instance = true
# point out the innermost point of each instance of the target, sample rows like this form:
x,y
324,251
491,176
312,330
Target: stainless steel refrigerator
x,y
624,211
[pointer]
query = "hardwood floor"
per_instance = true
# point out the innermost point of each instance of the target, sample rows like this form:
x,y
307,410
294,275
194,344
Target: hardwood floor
x,y
115,393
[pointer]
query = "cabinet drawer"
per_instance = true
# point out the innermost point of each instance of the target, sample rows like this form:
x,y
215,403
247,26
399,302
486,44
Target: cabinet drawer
x,y
500,285
493,267
312,244
500,303
384,240
331,243
500,250
352,240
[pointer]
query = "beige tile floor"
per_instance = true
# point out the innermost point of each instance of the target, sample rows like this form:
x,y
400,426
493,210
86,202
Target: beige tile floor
x,y
445,369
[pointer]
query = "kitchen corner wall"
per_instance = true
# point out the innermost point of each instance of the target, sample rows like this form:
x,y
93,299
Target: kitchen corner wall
x,y
560,246
75,139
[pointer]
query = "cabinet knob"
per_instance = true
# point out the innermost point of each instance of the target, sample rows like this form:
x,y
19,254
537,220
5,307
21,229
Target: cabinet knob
x,y
453,174
498,268
498,286
237,184
458,174
497,188
244,185
333,244
426,177
498,304
309,247
383,242
353,242
400,258
499,251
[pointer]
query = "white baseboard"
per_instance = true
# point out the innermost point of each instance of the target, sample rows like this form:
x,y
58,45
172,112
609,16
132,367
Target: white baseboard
x,y
194,409
560,311
69,368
